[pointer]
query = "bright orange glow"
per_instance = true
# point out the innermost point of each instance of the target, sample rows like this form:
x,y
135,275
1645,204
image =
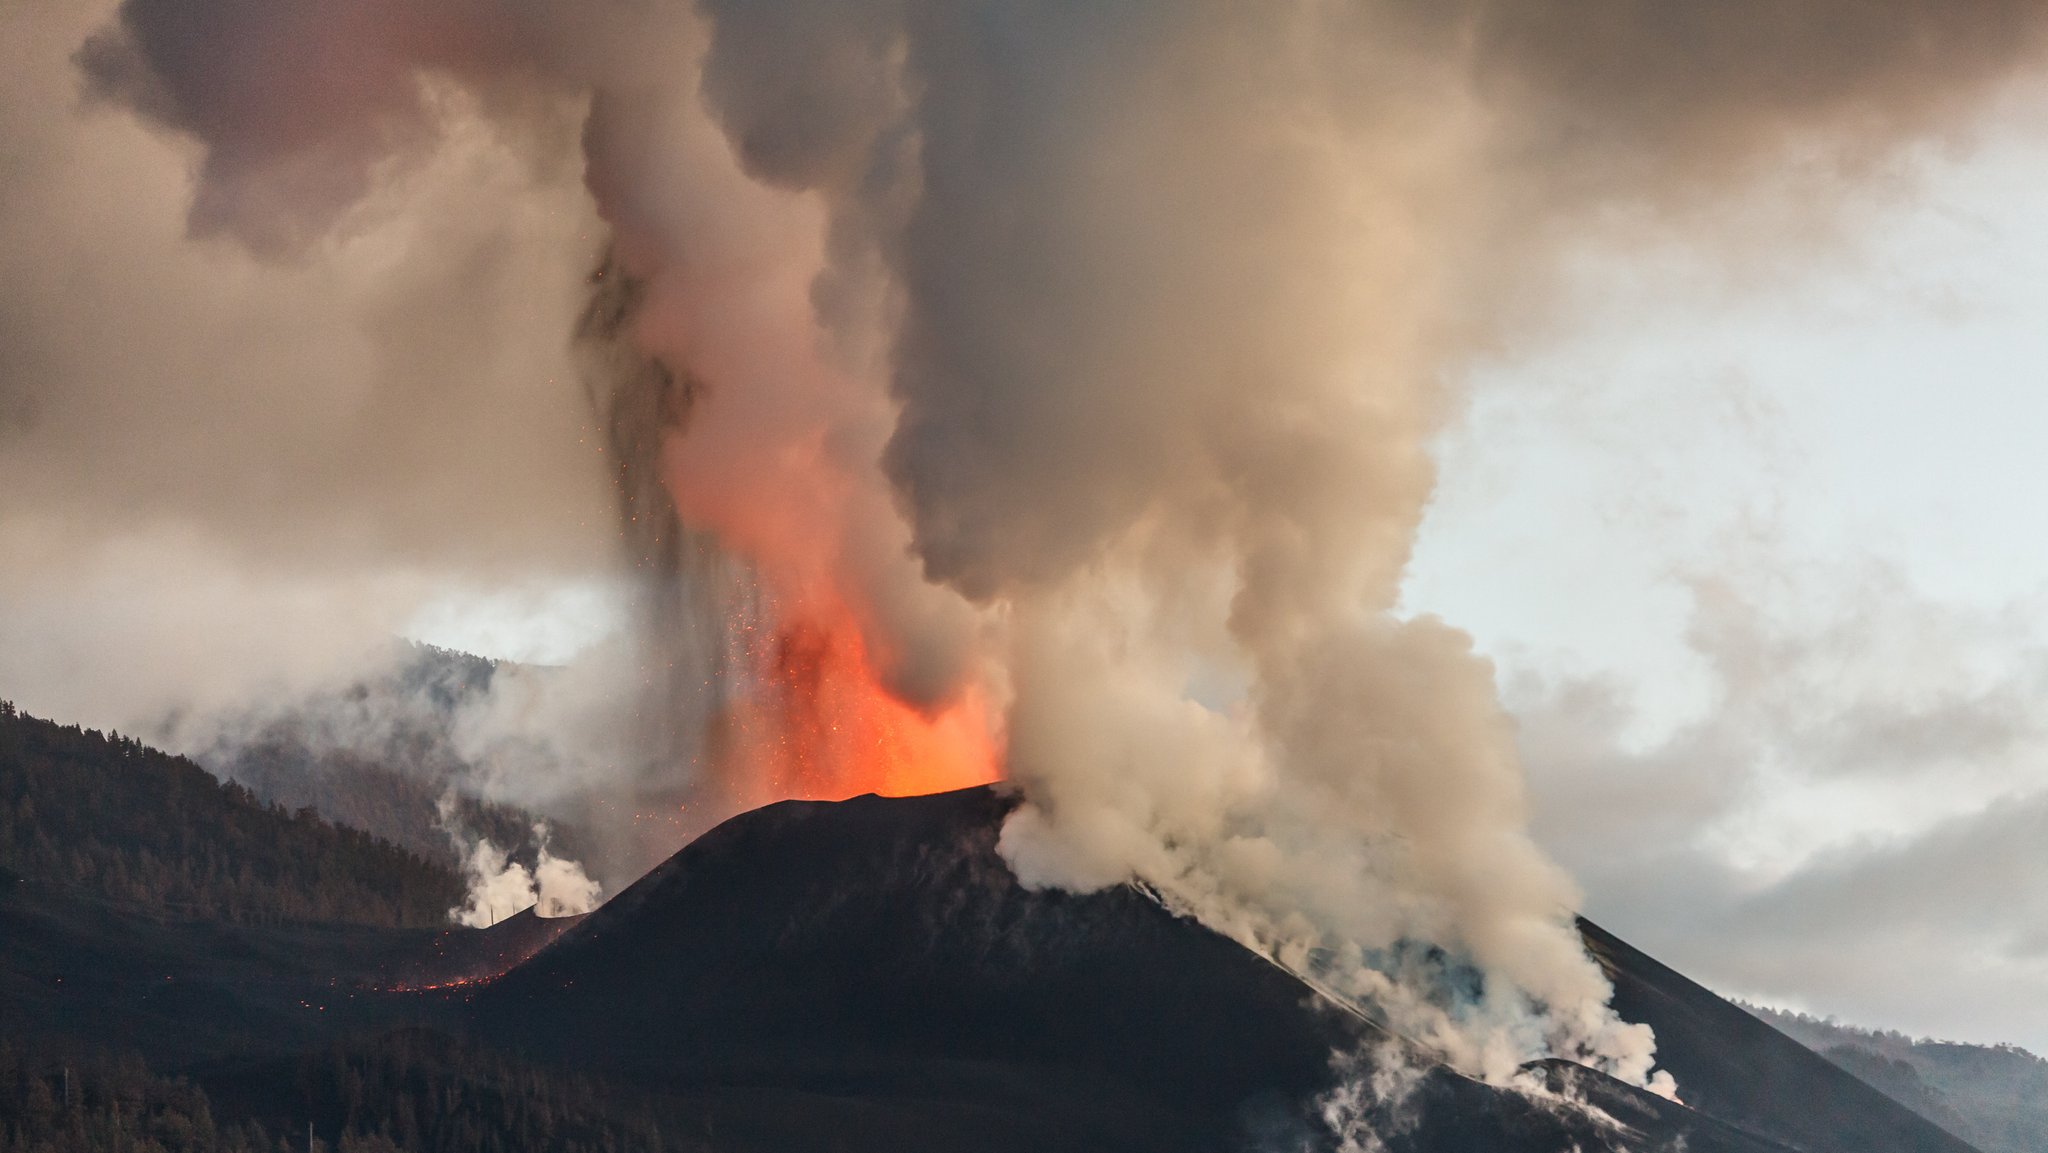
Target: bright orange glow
x,y
810,715
778,461
819,725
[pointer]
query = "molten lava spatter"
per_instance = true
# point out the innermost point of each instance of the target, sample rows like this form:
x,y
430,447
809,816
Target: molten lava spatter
x,y
767,469
818,724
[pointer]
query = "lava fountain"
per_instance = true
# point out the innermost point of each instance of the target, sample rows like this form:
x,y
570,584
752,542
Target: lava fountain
x,y
815,721
811,658
814,705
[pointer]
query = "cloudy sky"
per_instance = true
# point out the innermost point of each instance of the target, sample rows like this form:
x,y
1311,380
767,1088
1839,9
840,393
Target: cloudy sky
x,y
1757,550
1764,567
221,469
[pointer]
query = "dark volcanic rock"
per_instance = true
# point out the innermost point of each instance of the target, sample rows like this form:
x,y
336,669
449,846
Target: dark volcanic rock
x,y
870,972
879,950
869,977
178,990
1734,1066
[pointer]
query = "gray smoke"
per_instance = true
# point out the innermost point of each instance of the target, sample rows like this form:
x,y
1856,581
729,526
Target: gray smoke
x,y
687,593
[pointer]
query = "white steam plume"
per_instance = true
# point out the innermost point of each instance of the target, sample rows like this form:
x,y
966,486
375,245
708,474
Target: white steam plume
x,y
500,887
1122,330
559,887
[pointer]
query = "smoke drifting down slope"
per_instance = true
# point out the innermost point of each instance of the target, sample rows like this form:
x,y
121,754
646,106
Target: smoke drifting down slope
x,y
1050,385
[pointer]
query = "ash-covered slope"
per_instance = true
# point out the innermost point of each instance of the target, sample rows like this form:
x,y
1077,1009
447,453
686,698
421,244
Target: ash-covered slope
x,y
178,989
869,975
1733,1065
877,951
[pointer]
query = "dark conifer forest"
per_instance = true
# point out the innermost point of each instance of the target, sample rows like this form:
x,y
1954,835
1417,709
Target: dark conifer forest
x,y
114,856
117,819
412,1091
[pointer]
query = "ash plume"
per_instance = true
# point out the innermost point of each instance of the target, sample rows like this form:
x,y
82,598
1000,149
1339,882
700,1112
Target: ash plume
x,y
689,597
1083,355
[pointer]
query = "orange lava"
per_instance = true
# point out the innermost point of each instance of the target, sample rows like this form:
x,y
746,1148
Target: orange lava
x,y
777,462
820,725
443,986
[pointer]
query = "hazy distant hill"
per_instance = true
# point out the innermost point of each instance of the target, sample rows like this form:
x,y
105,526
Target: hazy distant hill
x,y
379,755
115,818
1994,1096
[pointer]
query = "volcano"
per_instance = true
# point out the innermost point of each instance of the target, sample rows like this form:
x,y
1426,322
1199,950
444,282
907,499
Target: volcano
x,y
862,975
869,975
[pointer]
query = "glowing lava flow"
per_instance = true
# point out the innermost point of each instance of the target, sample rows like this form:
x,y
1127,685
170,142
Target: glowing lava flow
x,y
448,986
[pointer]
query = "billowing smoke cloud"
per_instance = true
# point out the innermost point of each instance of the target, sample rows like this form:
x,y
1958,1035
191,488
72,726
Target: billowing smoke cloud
x,y
226,478
1084,357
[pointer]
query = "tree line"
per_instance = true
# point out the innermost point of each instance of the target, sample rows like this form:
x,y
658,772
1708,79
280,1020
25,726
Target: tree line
x,y
408,1092
109,815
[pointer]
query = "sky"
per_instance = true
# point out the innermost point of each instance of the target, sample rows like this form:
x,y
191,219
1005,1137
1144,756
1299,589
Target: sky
x,y
1753,547
1772,560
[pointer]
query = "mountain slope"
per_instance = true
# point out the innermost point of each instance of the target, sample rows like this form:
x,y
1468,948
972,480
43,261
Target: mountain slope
x,y
1733,1066
862,950
123,821
381,753
879,952
859,976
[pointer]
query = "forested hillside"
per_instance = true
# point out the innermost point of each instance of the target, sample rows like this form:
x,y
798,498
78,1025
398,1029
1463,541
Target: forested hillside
x,y
412,1090
113,817
87,1102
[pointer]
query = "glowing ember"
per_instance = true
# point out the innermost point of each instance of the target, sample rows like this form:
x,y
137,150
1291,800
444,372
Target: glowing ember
x,y
460,983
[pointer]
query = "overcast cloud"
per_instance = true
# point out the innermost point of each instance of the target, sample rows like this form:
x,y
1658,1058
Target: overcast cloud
x,y
217,470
